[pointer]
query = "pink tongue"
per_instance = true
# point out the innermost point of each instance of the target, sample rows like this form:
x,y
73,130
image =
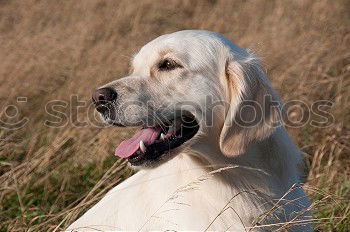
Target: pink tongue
x,y
128,147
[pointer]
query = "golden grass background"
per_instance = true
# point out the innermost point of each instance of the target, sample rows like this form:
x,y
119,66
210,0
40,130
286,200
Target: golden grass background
x,y
51,50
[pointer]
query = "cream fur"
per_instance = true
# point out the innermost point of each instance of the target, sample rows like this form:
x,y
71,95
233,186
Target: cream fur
x,y
226,178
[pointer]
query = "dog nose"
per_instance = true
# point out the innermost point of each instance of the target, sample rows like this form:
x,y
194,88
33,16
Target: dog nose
x,y
103,97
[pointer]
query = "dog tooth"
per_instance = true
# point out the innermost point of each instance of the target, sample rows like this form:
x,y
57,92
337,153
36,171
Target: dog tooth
x,y
142,146
162,136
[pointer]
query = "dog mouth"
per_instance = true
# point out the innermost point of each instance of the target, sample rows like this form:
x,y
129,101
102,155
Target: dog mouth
x,y
151,143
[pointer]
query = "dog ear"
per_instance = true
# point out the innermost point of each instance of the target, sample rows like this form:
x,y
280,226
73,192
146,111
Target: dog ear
x,y
254,108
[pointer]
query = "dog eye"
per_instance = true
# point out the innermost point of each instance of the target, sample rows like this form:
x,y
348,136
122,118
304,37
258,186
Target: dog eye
x,y
167,65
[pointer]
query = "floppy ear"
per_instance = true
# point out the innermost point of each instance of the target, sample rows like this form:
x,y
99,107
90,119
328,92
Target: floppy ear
x,y
253,112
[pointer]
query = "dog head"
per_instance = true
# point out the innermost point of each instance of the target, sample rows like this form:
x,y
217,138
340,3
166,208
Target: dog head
x,y
185,89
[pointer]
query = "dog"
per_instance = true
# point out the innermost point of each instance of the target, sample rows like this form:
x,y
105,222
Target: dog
x,y
211,150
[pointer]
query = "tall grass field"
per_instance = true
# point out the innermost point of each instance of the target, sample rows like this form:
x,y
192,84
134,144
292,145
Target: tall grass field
x,y
53,170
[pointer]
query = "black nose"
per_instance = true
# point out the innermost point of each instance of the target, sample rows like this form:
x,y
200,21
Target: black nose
x,y
103,97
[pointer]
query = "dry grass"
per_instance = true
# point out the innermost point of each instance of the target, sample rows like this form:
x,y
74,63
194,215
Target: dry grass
x,y
52,50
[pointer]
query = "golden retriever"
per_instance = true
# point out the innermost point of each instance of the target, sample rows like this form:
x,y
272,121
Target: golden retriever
x,y
211,149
